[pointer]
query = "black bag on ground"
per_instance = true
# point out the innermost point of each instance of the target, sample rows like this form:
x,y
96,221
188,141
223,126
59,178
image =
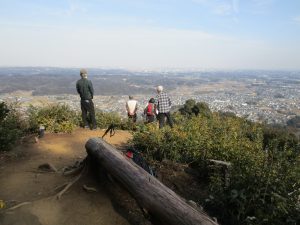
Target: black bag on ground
x,y
139,160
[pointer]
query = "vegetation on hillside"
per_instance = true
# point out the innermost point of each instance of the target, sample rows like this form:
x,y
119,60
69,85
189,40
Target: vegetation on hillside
x,y
11,126
60,118
56,118
105,119
264,185
294,122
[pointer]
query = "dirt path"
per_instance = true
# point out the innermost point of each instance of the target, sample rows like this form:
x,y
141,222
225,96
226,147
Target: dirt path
x,y
20,181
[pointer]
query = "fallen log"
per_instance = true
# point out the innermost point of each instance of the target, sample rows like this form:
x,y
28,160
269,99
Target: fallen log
x,y
159,201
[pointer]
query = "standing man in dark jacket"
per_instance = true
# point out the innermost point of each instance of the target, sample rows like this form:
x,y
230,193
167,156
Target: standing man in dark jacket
x,y
86,91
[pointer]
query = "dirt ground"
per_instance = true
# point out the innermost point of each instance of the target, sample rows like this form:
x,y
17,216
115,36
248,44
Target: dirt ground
x,y
22,181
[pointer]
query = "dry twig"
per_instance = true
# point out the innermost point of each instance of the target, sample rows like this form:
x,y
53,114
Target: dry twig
x,y
69,184
19,205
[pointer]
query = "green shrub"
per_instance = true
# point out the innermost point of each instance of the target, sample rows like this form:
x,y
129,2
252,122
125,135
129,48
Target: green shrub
x,y
3,111
104,119
191,108
294,122
55,118
264,179
11,126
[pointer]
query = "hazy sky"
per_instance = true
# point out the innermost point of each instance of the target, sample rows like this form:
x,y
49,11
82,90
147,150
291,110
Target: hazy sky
x,y
151,34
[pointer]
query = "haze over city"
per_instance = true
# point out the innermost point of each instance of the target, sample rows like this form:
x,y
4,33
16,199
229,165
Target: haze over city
x,y
139,34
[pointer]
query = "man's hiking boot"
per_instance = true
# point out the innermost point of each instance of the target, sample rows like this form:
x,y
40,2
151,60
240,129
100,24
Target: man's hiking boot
x,y
86,127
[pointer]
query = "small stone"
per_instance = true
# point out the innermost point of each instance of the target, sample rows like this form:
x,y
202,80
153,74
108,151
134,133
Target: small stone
x,y
192,203
47,167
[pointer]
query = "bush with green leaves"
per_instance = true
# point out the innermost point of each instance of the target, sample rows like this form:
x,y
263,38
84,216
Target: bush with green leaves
x,y
294,122
193,108
56,118
264,182
11,126
104,119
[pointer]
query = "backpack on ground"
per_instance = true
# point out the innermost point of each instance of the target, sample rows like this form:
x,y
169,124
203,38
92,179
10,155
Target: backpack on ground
x,y
138,159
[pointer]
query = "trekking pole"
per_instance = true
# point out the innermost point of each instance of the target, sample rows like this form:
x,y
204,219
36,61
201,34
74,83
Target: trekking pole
x,y
110,129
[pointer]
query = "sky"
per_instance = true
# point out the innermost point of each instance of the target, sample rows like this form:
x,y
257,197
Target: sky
x,y
151,34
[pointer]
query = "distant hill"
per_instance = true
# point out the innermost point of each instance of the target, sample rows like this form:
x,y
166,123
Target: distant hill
x,y
53,80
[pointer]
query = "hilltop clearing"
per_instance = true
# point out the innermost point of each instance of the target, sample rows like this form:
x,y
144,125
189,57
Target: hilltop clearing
x,y
21,181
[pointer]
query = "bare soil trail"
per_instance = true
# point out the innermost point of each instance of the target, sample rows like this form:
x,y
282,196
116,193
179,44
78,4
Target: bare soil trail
x,y
22,181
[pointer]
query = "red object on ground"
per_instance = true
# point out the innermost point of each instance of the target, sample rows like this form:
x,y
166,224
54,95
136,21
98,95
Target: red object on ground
x,y
129,154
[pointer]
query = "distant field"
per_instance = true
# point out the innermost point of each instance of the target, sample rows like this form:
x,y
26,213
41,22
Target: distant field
x,y
55,81
271,96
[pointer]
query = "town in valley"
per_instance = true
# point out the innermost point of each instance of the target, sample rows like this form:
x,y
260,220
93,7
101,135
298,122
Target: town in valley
x,y
264,96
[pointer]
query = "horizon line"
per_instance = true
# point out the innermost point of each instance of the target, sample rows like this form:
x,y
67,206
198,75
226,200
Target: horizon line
x,y
167,69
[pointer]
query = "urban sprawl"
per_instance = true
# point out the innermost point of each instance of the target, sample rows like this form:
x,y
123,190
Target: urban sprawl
x,y
271,102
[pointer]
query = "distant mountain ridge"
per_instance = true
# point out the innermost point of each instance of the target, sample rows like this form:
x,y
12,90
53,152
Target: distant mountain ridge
x,y
55,80
56,71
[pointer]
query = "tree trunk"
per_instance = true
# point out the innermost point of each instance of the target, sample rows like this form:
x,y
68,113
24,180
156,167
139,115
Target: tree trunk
x,y
161,202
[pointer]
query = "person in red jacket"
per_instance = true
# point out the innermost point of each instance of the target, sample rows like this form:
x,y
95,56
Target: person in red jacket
x,y
150,111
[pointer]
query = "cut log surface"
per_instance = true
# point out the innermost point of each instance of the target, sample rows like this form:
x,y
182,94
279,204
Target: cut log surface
x,y
160,201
